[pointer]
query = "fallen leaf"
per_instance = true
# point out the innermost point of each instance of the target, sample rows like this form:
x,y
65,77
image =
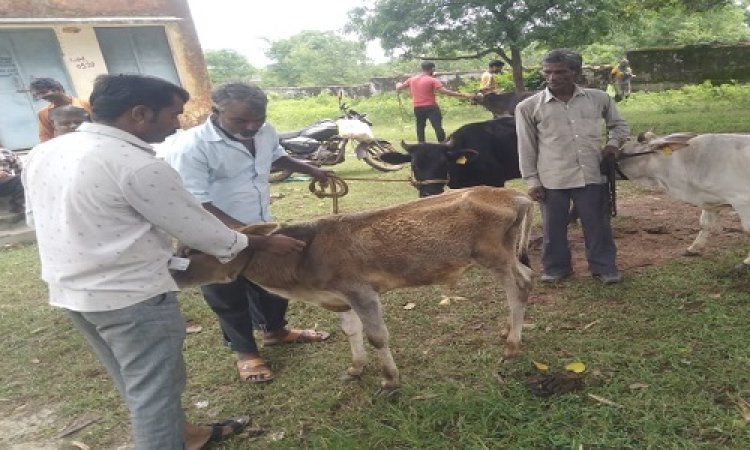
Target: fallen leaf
x,y
745,408
79,445
445,302
715,295
410,306
540,366
606,401
635,386
591,324
425,397
193,329
78,425
38,330
35,361
279,435
576,367
201,404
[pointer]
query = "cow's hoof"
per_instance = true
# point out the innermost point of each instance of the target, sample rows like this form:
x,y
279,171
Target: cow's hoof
x,y
348,377
512,351
388,391
741,270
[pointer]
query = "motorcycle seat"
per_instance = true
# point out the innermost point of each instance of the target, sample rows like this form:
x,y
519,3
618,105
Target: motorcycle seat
x,y
290,134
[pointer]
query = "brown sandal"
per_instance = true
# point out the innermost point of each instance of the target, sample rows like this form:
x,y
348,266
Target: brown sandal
x,y
254,370
297,337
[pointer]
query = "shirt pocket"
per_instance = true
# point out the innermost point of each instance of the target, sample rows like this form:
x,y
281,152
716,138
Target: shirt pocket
x,y
590,126
229,163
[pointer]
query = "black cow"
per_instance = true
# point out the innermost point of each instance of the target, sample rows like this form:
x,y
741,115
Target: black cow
x,y
481,153
503,104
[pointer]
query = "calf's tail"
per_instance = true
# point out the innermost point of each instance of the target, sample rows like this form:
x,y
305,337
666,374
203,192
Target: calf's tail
x,y
526,218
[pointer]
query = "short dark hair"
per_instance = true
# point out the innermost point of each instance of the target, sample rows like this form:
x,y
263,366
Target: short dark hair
x,y
496,63
570,58
250,94
113,95
45,84
428,65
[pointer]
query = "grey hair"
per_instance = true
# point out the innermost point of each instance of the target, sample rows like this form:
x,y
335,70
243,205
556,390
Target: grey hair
x,y
251,95
570,58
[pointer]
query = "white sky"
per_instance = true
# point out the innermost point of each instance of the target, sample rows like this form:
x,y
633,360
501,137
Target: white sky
x,y
243,25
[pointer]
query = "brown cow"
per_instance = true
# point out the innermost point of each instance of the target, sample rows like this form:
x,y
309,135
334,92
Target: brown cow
x,y
350,259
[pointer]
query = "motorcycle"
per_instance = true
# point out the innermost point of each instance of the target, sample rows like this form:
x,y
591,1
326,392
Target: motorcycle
x,y
324,143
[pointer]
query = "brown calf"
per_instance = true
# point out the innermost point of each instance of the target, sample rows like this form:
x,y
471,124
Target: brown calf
x,y
350,259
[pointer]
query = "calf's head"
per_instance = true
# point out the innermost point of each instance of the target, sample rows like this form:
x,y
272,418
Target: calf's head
x,y
206,269
430,164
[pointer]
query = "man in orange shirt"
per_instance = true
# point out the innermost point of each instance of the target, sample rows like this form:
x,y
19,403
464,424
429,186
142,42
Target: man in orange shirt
x,y
423,88
52,91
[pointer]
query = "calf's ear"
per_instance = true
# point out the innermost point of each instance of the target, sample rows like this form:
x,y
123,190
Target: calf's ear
x,y
462,156
260,229
395,157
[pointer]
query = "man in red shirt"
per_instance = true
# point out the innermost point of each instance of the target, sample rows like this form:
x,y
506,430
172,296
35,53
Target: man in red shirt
x,y
423,87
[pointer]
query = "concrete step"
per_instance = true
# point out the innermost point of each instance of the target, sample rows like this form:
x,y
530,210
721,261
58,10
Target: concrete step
x,y
9,219
17,235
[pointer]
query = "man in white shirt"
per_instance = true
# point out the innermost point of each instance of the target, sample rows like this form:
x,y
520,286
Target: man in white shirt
x,y
225,163
105,211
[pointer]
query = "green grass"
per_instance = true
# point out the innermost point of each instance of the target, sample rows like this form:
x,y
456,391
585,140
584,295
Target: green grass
x,y
680,329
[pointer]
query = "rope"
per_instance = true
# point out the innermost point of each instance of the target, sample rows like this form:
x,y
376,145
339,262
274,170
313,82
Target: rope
x,y
335,188
609,168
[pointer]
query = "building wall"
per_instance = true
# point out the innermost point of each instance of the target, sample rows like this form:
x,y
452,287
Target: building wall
x,y
81,53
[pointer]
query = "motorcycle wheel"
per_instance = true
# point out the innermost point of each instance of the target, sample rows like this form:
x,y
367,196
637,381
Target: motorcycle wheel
x,y
372,159
279,175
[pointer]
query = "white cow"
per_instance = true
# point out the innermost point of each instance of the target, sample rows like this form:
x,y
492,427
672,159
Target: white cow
x,y
709,170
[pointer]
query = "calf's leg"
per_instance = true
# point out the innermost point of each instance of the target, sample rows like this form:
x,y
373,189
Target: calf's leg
x,y
352,327
366,303
517,285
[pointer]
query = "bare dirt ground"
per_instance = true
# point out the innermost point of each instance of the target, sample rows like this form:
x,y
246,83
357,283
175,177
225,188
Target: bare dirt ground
x,y
652,230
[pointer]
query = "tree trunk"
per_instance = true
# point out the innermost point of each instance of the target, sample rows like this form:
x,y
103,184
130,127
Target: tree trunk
x,y
517,67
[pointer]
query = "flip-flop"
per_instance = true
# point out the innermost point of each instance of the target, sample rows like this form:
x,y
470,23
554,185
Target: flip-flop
x,y
297,337
254,370
237,424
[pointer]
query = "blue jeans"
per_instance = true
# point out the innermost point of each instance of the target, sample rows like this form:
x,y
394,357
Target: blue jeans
x,y
141,348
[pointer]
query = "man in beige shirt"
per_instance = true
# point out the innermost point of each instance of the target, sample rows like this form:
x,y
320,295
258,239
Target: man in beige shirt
x,y
559,145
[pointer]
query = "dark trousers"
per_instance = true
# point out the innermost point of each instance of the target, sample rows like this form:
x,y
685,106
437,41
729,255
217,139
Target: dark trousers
x,y
13,188
422,114
242,306
591,202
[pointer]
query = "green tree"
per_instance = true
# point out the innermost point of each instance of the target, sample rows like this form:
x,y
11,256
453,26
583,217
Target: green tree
x,y
228,65
442,29
677,25
315,58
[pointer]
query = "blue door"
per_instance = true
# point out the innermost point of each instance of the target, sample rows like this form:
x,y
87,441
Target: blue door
x,y
143,50
26,54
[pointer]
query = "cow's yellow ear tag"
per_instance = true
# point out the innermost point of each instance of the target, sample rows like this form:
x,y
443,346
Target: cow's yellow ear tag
x,y
667,150
461,160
